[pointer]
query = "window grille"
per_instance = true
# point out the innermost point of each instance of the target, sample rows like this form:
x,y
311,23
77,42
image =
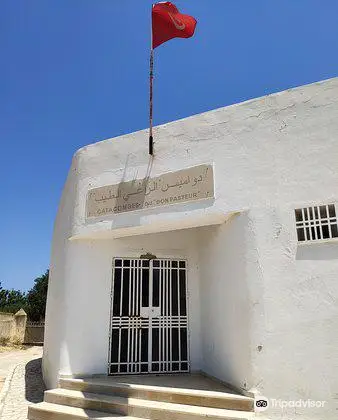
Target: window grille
x,y
316,223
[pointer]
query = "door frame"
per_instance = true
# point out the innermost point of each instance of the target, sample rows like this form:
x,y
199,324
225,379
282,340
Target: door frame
x,y
171,258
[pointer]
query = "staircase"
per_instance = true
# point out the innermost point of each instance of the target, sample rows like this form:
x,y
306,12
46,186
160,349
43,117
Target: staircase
x,y
103,399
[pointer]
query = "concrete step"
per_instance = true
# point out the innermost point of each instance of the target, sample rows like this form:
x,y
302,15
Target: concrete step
x,y
48,411
135,407
213,399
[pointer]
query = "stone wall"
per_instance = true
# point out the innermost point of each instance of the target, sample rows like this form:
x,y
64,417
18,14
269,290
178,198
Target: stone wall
x,y
13,326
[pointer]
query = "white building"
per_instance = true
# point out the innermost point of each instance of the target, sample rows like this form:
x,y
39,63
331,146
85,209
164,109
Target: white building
x,y
217,211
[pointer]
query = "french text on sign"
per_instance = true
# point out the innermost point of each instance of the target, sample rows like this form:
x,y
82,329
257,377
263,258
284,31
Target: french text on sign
x,y
191,184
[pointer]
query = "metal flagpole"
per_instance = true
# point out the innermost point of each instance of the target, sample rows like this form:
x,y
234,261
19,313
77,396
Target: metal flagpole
x,y
151,78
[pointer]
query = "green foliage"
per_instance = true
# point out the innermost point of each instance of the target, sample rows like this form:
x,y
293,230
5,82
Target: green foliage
x,y
36,298
33,302
11,300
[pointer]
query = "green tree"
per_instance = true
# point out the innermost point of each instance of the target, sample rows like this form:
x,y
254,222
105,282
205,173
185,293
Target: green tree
x,y
36,298
12,300
33,302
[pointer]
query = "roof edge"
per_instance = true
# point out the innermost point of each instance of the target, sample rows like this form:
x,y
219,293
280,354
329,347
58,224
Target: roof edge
x,y
237,104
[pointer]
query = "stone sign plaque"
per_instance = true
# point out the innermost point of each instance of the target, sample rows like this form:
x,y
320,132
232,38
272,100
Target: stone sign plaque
x,y
192,184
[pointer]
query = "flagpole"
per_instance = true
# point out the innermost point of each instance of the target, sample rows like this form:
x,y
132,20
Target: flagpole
x,y
151,78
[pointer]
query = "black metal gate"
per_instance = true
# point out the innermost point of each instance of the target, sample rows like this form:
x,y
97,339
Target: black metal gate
x,y
149,321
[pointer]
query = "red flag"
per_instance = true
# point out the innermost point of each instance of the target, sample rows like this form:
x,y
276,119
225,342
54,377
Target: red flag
x,y
168,23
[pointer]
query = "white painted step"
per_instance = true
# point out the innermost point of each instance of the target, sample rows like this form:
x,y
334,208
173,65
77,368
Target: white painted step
x,y
48,411
135,407
214,399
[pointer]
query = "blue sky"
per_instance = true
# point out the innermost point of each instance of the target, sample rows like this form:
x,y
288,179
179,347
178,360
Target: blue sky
x,y
76,71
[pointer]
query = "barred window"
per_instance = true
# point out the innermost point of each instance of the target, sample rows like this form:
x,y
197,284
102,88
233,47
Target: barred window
x,y
316,223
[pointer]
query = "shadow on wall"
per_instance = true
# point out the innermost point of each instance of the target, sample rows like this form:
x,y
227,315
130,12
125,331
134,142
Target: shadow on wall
x,y
34,385
225,301
317,251
126,189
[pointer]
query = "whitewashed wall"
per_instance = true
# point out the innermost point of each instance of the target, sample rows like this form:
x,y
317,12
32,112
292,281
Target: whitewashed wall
x,y
270,155
225,302
86,299
276,304
294,314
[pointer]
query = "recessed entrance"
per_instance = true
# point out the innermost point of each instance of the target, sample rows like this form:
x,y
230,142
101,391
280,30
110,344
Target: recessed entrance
x,y
149,320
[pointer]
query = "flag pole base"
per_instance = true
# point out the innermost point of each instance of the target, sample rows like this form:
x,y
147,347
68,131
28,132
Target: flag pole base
x,y
151,145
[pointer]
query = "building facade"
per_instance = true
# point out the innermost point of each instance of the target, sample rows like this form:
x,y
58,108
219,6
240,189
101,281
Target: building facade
x,y
219,254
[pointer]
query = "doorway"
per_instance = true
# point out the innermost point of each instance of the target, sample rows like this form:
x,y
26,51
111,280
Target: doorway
x,y
149,320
